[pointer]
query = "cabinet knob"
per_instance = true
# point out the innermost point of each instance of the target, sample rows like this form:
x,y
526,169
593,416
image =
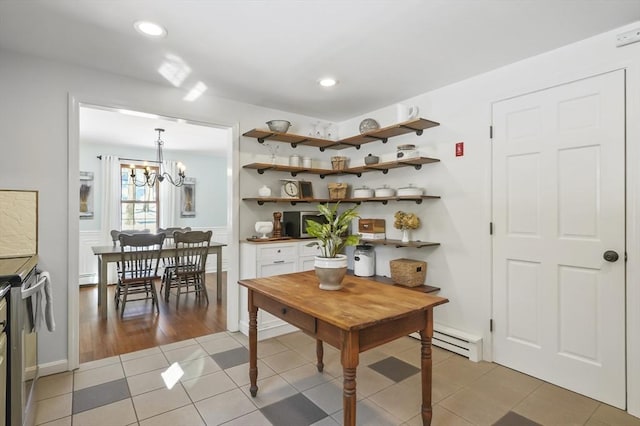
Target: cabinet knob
x,y
284,311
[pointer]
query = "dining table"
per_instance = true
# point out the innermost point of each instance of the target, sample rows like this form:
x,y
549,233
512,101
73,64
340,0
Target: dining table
x,y
112,253
360,316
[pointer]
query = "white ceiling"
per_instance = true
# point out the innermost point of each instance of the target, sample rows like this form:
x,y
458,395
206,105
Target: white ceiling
x,y
113,127
271,52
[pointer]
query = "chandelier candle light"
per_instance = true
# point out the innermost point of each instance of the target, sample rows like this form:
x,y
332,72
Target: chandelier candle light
x,y
151,178
405,222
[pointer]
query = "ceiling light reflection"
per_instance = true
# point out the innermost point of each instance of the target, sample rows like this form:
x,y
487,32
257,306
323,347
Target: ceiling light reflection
x,y
150,29
138,113
174,69
172,375
195,92
327,82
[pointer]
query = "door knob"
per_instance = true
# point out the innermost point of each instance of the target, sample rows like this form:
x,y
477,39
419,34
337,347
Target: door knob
x,y
610,256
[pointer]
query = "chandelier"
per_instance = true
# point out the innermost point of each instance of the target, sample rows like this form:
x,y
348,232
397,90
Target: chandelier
x,y
150,177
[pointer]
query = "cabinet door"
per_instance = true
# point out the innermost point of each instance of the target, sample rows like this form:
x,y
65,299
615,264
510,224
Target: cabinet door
x,y
306,263
305,250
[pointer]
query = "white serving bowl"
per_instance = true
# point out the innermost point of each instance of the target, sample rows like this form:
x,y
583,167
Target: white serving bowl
x,y
363,192
385,192
410,191
264,227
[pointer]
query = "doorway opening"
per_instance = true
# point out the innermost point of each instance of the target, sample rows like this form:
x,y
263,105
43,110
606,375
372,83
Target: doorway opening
x,y
206,151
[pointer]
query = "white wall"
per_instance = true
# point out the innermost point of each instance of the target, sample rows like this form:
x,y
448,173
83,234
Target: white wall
x,y
460,220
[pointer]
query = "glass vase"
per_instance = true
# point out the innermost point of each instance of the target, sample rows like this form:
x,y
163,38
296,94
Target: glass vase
x,y
405,236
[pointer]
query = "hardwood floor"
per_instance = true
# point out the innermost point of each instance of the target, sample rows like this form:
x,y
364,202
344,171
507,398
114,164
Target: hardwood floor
x,y
141,327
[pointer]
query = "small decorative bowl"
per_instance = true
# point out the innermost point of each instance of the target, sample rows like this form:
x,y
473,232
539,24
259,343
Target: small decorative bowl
x,y
280,126
371,159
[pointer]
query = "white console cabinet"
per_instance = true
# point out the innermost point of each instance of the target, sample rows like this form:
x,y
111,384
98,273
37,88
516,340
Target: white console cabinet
x,y
258,260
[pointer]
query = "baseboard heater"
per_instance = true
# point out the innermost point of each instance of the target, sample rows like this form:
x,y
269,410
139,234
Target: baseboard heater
x,y
456,341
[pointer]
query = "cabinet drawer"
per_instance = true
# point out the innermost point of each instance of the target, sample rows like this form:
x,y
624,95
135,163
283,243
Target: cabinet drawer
x,y
279,251
269,267
290,315
309,251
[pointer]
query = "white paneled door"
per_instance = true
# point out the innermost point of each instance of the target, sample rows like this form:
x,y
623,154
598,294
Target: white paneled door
x,y
559,221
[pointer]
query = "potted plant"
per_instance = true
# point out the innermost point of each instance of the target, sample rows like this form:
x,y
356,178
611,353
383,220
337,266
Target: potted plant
x,y
405,222
333,237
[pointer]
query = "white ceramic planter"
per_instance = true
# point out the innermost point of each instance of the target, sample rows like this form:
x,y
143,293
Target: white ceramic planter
x,y
331,271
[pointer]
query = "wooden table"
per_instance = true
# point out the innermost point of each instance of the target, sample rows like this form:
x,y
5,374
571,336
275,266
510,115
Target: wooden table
x,y
112,254
362,315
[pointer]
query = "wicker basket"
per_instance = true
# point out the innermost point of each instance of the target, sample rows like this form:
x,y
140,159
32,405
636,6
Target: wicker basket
x,y
339,163
408,272
337,191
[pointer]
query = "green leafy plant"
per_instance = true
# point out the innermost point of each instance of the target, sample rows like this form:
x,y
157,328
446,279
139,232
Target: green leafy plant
x,y
333,236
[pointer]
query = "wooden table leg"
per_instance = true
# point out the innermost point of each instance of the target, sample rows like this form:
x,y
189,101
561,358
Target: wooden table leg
x,y
219,273
253,345
319,355
426,364
102,287
349,357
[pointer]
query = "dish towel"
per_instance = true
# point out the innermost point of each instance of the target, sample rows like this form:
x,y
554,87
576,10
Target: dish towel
x,y
44,304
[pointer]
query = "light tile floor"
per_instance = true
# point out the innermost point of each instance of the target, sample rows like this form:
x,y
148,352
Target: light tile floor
x,y
214,389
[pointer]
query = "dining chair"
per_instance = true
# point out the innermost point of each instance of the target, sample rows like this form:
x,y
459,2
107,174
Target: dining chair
x,y
167,262
115,238
140,257
188,273
115,233
168,232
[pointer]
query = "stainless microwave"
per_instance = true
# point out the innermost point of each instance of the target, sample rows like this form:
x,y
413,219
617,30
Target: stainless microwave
x,y
295,223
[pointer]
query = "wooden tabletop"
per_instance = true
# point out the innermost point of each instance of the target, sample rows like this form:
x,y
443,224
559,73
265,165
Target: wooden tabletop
x,y
359,304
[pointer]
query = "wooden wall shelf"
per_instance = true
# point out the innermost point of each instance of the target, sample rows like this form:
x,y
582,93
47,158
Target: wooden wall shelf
x,y
417,125
416,163
383,200
399,243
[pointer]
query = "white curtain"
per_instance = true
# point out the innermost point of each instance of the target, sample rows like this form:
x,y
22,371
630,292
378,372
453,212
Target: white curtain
x,y
169,197
110,213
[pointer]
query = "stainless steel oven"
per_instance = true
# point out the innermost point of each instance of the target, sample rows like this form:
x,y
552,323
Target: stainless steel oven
x,y
22,357
4,290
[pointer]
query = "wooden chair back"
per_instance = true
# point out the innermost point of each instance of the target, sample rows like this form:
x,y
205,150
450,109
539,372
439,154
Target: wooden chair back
x,y
192,248
115,233
140,256
168,232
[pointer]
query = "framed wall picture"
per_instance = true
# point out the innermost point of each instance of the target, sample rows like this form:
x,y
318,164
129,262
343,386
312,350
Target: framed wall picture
x,y
86,195
188,198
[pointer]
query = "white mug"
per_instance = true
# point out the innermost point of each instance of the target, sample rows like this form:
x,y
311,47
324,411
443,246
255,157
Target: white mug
x,y
406,112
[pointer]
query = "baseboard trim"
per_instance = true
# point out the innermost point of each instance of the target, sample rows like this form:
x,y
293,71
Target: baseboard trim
x,y
53,367
268,332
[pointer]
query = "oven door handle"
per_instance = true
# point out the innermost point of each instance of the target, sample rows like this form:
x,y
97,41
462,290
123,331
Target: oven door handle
x,y
28,292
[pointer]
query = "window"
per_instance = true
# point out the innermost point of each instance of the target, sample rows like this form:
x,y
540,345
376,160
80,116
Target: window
x,y
138,204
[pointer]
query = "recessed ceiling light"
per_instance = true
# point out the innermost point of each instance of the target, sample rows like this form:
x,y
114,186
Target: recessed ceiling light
x,y
150,29
327,82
